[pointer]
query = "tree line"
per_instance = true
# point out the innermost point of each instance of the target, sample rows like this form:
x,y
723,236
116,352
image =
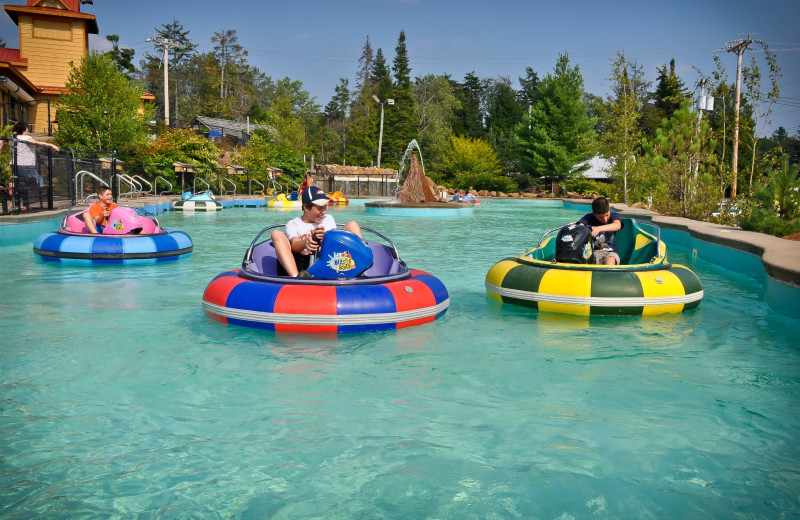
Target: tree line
x,y
483,133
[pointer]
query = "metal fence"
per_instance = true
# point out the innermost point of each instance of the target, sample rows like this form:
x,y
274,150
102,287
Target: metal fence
x,y
71,176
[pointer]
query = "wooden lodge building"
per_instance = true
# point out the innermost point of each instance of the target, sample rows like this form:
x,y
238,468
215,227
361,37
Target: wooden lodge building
x,y
52,33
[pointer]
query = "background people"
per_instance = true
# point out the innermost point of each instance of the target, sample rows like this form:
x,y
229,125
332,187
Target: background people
x,y
27,176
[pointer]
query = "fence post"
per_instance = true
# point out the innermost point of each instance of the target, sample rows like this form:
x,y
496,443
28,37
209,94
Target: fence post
x,y
114,173
49,176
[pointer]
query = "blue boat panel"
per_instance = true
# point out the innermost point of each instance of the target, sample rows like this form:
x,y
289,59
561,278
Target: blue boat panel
x,y
139,245
436,286
364,299
49,242
104,246
367,328
165,243
254,296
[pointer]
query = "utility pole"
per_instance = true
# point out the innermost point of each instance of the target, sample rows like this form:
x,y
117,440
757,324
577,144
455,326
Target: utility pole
x,y
739,47
166,44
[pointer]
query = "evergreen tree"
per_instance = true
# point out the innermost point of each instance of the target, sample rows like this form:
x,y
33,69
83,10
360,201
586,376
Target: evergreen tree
x,y
123,58
468,119
559,134
364,78
181,51
382,76
362,128
336,112
529,85
101,109
682,166
668,96
503,114
400,123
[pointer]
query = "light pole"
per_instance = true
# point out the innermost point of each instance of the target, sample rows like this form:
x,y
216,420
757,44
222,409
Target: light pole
x,y
380,136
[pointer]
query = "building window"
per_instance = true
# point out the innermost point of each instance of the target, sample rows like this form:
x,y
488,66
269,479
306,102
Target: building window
x,y
52,30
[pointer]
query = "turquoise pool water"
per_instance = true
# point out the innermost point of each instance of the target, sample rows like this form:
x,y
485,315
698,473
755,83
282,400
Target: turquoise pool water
x,y
120,399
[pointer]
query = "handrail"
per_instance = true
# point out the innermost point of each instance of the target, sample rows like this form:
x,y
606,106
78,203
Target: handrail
x,y
194,184
122,177
140,178
155,184
80,176
658,235
234,186
250,186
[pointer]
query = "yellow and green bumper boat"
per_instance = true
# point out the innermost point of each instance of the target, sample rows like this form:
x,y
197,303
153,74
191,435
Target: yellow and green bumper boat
x,y
644,283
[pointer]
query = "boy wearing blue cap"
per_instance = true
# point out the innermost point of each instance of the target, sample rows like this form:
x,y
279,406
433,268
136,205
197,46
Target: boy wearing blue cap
x,y
303,235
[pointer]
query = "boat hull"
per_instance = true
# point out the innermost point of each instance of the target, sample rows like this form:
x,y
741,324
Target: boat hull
x,y
196,205
564,288
63,246
324,307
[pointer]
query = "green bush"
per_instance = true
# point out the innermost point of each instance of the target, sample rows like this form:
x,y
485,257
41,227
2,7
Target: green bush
x,y
485,181
584,186
775,208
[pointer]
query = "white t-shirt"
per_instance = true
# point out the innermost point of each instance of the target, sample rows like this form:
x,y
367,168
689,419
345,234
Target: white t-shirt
x,y
26,155
297,228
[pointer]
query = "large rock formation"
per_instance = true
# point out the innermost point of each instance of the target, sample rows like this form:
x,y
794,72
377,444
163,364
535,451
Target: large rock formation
x,y
417,187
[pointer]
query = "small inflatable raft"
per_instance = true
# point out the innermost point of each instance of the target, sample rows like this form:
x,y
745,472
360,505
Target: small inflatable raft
x,y
644,283
284,202
203,201
337,199
358,285
131,236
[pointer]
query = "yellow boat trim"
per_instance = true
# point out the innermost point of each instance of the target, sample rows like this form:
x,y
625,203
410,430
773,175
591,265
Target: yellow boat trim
x,y
593,301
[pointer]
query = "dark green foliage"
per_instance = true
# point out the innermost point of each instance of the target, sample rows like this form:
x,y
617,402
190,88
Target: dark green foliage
x,y
775,207
584,186
503,114
401,123
122,57
559,133
468,118
101,110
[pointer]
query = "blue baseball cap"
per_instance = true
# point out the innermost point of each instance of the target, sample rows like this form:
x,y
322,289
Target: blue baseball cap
x,y
315,195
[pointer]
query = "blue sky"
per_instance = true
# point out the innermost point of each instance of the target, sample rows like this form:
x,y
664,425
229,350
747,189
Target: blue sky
x,y
317,41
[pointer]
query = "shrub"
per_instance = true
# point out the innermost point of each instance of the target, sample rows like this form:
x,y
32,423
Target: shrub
x,y
584,186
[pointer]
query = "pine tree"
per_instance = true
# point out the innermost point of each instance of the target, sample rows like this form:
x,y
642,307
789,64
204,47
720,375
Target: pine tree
x,y
669,94
400,122
122,57
682,166
336,112
503,114
468,119
559,133
529,85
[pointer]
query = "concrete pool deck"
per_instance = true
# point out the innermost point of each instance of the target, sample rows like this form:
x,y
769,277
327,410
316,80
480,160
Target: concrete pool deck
x,y
780,257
